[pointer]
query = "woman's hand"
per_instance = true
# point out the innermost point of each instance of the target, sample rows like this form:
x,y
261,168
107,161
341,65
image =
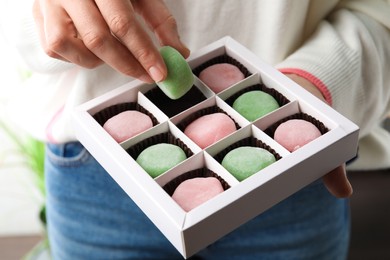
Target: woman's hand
x,y
89,33
336,181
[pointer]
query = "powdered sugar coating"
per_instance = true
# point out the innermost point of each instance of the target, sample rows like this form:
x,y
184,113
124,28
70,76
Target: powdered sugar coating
x,y
245,161
255,104
194,192
295,133
220,76
127,124
180,78
159,158
209,129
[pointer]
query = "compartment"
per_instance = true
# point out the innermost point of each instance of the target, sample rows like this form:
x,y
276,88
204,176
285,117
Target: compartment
x,y
211,53
212,103
197,94
120,129
246,137
295,110
195,188
126,99
221,72
166,133
313,130
210,130
253,83
102,116
199,165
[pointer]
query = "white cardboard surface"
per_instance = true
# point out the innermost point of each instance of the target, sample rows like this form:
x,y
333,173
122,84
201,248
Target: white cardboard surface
x,y
190,232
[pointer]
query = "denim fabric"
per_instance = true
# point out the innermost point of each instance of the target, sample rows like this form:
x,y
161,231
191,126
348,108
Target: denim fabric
x,y
90,217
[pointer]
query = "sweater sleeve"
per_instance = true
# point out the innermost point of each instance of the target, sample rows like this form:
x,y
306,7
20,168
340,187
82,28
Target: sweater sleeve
x,y
348,58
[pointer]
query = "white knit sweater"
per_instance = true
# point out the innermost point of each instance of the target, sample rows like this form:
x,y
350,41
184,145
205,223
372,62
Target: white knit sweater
x,y
341,46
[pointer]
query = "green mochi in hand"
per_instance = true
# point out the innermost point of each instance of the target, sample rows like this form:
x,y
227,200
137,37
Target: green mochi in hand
x,y
180,78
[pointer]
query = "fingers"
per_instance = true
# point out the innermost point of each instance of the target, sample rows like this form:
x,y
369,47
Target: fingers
x,y
59,37
306,84
120,18
39,22
162,23
97,37
337,183
89,33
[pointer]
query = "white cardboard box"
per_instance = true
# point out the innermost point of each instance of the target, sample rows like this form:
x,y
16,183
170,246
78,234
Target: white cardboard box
x,y
191,231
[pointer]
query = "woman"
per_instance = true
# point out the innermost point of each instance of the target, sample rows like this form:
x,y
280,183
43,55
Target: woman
x,y
338,50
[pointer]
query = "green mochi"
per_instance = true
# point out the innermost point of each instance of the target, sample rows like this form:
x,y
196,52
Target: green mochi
x,y
159,158
180,78
244,161
255,104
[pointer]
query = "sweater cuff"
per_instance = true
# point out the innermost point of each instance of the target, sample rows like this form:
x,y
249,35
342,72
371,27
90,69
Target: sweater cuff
x,y
328,59
313,79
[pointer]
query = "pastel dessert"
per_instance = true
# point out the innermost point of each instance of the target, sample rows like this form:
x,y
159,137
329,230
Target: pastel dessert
x,y
220,76
210,128
255,104
127,124
180,78
159,158
193,192
244,161
295,133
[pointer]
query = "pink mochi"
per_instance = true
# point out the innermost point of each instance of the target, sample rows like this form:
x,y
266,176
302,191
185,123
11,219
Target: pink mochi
x,y
209,129
127,124
295,133
193,192
220,76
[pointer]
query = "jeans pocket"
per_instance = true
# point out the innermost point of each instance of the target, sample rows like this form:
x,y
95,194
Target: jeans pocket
x,y
67,154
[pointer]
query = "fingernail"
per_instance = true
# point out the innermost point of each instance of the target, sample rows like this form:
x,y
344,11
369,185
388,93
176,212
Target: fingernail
x,y
186,51
156,74
146,79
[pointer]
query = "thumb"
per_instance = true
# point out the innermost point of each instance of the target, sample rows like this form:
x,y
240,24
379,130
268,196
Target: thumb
x,y
337,183
162,23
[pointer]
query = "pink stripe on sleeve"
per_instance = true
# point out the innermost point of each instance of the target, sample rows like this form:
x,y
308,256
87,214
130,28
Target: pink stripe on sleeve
x,y
313,79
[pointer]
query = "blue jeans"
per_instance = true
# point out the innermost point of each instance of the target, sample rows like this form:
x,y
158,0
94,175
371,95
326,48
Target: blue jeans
x,y
90,217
